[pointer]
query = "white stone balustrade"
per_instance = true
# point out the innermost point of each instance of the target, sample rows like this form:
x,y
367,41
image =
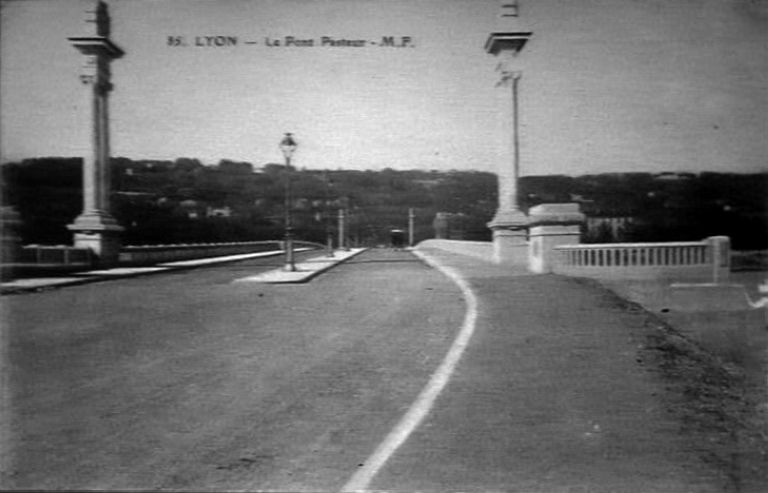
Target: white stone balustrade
x,y
707,260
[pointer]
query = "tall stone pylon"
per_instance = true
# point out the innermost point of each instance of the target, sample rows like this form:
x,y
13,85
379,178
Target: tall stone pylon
x,y
509,225
95,228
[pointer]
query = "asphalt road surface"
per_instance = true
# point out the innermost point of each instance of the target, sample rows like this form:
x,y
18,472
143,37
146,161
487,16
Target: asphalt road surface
x,y
189,380
193,381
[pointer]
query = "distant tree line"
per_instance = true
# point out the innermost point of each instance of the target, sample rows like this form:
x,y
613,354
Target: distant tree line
x,y
665,206
184,201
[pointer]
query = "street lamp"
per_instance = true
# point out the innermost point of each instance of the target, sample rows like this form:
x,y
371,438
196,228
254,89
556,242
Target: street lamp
x,y
288,146
327,218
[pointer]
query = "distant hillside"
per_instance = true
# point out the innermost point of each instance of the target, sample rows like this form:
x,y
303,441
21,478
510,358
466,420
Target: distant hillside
x,y
666,206
185,201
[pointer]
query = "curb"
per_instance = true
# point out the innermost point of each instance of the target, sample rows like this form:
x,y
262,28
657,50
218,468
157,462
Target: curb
x,y
306,277
316,273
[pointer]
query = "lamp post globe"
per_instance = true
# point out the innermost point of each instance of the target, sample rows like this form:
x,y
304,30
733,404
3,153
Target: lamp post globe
x,y
288,147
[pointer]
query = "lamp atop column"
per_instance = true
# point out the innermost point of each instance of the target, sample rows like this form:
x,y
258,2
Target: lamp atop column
x,y
96,36
288,145
512,42
509,34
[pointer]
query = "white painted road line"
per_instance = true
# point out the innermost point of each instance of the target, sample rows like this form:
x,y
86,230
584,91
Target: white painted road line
x,y
122,271
426,399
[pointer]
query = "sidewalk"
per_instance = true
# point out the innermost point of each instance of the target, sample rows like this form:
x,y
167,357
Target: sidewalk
x,y
305,270
566,387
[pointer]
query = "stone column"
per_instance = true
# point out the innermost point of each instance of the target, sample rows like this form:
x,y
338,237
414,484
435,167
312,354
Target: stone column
x,y
95,228
510,224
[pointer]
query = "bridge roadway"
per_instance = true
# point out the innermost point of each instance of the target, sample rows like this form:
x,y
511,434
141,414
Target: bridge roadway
x,y
191,381
188,380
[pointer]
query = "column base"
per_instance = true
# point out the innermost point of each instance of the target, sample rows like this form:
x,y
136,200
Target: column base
x,y
510,247
510,237
100,233
509,219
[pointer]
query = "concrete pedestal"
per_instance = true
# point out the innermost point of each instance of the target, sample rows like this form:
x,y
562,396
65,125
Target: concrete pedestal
x,y
100,233
552,225
510,237
720,248
510,247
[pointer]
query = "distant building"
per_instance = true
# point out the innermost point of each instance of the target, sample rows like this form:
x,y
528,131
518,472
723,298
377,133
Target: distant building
x,y
603,226
670,176
428,184
449,225
225,211
191,208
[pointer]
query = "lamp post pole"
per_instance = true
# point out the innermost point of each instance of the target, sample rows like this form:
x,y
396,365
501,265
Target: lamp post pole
x,y
327,218
342,243
288,146
290,265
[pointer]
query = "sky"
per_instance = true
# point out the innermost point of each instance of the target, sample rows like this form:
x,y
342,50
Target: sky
x,y
607,86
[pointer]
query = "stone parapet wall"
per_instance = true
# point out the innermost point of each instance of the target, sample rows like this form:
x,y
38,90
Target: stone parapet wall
x,y
152,254
55,255
66,255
